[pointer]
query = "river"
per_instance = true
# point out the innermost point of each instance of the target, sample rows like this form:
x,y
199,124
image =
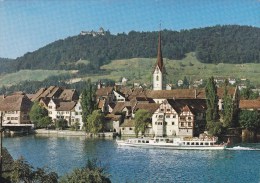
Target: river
x,y
62,154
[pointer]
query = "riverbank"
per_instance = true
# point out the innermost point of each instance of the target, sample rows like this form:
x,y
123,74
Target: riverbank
x,y
73,133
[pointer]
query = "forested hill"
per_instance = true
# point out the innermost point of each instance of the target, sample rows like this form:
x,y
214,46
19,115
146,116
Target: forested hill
x,y
218,44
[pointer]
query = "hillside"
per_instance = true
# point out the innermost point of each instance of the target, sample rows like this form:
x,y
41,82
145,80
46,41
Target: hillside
x,y
30,81
218,44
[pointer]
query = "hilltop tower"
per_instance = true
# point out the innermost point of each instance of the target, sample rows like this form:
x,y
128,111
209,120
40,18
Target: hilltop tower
x,y
159,69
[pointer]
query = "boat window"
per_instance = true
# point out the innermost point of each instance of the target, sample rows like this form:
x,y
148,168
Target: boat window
x,y
161,140
188,143
192,143
206,143
139,141
211,143
147,141
183,143
201,143
143,141
157,140
197,143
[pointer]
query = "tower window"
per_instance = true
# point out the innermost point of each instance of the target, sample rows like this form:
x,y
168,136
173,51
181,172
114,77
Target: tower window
x,y
157,78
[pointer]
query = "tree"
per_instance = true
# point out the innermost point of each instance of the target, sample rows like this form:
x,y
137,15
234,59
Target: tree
x,y
185,82
249,120
142,118
39,116
61,124
95,122
88,100
228,109
24,172
90,173
212,115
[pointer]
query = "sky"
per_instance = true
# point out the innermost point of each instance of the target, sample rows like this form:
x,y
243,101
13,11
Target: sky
x,y
27,25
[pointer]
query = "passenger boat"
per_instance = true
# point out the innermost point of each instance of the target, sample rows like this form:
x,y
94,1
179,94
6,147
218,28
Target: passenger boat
x,y
209,143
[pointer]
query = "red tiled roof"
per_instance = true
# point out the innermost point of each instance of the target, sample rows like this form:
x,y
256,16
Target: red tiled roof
x,y
16,102
151,107
104,91
249,104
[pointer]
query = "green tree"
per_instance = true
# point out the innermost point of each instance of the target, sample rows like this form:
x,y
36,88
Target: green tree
x,y
24,172
212,115
249,120
95,122
39,116
228,109
91,173
185,82
88,100
142,119
211,100
61,123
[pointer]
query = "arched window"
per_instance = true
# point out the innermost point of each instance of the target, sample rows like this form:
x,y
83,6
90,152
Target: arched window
x,y
157,78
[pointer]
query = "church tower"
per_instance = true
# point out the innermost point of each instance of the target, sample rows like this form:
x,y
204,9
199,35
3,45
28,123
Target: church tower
x,y
159,69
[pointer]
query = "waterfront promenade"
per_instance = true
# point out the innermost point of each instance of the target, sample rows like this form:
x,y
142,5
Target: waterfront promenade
x,y
73,133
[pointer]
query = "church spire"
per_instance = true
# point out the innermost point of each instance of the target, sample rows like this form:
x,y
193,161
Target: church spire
x,y
159,54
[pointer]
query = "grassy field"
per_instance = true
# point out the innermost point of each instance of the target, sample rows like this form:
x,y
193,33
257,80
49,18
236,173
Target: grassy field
x,y
29,75
140,70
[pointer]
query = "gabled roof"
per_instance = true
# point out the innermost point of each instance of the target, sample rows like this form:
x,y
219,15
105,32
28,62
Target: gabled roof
x,y
118,107
193,105
16,102
249,104
128,123
177,94
104,91
69,95
112,117
151,107
66,106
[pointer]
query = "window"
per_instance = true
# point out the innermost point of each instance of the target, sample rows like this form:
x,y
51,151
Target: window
x,y
162,110
174,116
172,123
182,117
155,123
50,107
189,124
157,78
189,117
12,118
50,112
167,116
130,129
123,128
160,116
8,118
182,124
168,109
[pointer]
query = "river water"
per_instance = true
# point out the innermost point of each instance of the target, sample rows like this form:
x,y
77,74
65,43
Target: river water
x,y
62,154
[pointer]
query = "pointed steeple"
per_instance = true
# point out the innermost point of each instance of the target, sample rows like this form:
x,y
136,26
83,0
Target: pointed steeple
x,y
159,54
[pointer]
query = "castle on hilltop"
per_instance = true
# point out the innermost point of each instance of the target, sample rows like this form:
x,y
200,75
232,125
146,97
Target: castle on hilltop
x,y
101,32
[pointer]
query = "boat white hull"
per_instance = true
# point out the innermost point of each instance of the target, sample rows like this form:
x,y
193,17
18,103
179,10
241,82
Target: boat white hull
x,y
171,146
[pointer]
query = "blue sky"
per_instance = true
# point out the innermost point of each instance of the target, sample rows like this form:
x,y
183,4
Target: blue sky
x,y
27,25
